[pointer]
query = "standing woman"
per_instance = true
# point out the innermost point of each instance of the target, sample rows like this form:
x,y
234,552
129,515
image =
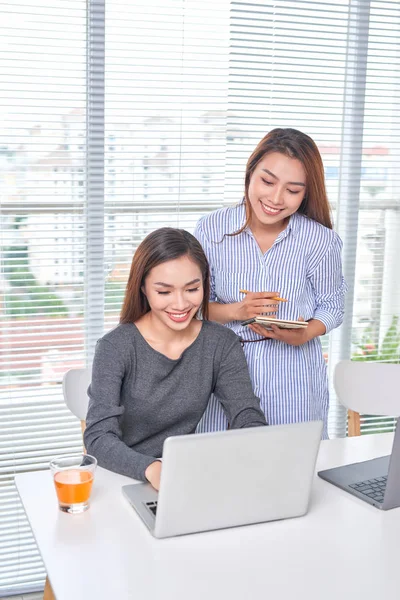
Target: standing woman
x,y
278,242
153,375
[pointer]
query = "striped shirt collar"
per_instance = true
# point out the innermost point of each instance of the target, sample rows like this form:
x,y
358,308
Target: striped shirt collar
x,y
239,217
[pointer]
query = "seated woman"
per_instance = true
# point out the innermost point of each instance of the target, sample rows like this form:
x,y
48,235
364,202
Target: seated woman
x,y
153,374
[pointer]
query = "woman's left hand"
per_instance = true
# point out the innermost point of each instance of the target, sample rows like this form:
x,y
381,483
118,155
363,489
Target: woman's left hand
x,y
153,474
293,337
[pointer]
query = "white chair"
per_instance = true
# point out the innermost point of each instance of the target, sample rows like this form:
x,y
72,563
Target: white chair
x,y
75,385
367,388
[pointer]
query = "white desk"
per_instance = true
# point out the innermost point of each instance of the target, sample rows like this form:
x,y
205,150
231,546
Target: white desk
x,y
343,549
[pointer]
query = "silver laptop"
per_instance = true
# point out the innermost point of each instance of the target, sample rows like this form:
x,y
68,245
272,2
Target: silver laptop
x,y
375,481
224,479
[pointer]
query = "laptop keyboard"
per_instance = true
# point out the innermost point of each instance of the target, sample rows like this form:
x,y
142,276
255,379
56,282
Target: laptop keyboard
x,y
373,488
152,506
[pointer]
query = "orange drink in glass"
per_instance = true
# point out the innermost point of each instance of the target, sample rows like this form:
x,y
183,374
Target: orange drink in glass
x,y
73,479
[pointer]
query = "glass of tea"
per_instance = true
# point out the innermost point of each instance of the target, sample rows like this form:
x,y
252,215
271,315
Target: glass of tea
x,y
73,478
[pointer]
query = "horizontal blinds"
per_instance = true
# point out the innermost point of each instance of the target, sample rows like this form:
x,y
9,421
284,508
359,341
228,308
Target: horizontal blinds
x,y
32,430
376,327
288,67
166,87
331,70
377,292
42,253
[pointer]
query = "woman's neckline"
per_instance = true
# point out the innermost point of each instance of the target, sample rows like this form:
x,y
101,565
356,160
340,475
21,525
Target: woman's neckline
x,y
141,336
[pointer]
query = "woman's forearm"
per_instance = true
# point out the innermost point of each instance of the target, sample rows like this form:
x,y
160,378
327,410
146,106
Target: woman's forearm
x,y
223,313
314,329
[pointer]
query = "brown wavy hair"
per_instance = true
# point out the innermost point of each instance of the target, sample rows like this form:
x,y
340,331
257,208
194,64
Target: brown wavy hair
x,y
294,144
158,247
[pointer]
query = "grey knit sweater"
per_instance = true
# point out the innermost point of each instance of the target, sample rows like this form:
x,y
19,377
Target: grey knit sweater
x,y
139,397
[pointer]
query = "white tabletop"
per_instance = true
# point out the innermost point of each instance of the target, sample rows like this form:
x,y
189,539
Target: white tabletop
x,y
343,548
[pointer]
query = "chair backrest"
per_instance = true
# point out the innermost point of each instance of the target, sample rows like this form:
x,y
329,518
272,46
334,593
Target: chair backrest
x,y
75,385
368,387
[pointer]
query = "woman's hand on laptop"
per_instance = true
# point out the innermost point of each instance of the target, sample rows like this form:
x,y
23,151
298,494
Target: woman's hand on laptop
x,y
153,474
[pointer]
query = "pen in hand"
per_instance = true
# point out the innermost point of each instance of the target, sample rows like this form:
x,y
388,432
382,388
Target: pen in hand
x,y
277,299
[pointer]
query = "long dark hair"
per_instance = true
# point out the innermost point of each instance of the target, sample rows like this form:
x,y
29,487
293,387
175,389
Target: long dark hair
x,y
158,247
294,144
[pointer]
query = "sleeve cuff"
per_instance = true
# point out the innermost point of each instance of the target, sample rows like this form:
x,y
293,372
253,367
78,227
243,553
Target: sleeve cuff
x,y
145,461
328,319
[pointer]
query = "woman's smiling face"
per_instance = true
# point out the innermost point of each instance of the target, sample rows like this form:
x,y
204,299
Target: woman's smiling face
x,y
276,189
174,291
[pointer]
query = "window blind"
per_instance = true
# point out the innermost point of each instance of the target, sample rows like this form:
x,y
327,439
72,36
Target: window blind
x,y
43,253
376,309
166,89
288,69
331,69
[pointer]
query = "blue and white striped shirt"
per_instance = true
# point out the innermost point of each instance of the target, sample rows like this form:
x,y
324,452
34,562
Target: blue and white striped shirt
x,y
304,266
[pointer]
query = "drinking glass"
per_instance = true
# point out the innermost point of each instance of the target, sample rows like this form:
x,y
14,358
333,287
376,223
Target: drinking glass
x,y
73,478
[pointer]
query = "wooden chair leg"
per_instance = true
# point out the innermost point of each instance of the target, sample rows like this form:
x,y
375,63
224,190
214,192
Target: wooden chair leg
x,y
48,592
353,423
